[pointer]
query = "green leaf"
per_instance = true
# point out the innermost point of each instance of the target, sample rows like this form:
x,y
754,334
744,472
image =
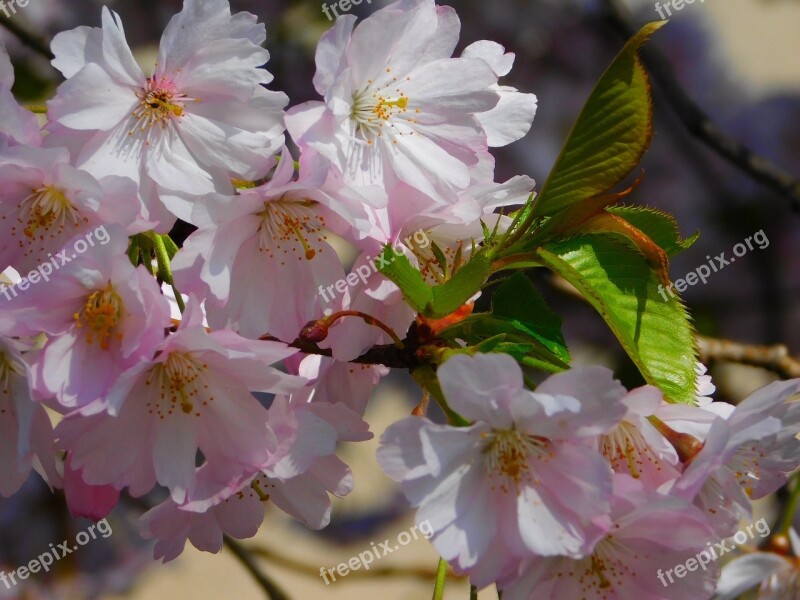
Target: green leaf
x,y
659,226
520,324
454,293
518,300
487,333
656,333
397,268
610,136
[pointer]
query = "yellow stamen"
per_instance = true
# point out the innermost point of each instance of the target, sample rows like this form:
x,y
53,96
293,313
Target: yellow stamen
x,y
101,315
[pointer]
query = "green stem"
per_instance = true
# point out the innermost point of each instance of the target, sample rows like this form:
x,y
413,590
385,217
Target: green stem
x,y
441,579
791,507
473,593
164,269
134,252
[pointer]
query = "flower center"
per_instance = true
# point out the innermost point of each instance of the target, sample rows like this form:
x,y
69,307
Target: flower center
x,y
159,103
181,385
101,316
291,225
626,446
607,567
375,107
49,209
508,453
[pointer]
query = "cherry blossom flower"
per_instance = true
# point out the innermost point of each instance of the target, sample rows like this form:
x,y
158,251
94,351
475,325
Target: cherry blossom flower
x,y
398,108
260,257
45,202
745,456
102,317
521,480
651,533
301,473
201,118
194,395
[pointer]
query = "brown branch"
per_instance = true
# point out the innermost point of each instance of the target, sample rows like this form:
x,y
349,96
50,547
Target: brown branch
x,y
772,358
26,37
388,355
272,591
699,123
314,571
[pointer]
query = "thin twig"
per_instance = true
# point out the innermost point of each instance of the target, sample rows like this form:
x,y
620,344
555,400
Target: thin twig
x,y
272,591
26,37
279,559
700,124
772,358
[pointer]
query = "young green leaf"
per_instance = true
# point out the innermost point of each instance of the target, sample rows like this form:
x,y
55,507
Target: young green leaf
x,y
610,136
618,282
518,300
397,268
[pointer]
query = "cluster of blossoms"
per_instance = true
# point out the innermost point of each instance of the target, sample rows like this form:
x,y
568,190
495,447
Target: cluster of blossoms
x,y
576,489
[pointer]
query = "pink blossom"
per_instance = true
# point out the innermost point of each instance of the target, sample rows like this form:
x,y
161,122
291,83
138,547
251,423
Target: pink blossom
x,y
260,257
398,108
745,456
521,480
201,118
651,534
194,395
45,202
301,472
101,315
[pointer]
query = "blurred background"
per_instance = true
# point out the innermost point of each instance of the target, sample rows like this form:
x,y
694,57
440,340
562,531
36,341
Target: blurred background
x,y
738,59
